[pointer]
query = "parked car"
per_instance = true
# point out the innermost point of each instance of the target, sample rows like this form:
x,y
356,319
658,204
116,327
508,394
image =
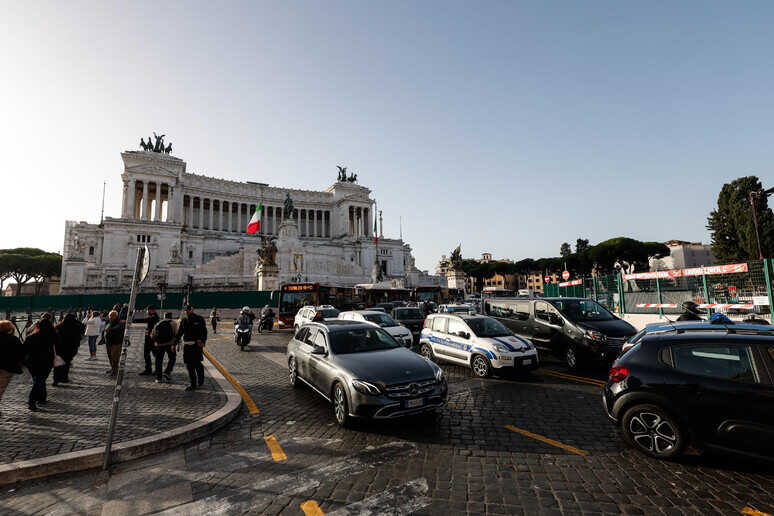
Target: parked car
x,y
411,318
575,329
711,386
456,309
376,309
387,307
363,371
306,314
401,333
476,341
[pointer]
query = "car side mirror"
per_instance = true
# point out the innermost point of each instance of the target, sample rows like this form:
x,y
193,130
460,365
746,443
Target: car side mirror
x,y
318,350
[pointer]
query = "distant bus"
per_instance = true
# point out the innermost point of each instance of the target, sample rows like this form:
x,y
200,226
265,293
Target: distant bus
x,y
293,296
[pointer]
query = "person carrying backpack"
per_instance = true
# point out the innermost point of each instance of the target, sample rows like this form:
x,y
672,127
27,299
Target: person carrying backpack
x,y
193,331
164,336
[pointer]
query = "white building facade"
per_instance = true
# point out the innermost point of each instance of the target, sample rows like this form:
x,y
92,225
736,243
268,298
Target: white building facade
x,y
196,230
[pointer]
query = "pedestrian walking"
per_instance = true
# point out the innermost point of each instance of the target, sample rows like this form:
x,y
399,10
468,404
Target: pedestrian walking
x,y
70,332
114,338
193,331
39,358
214,320
94,326
148,348
164,337
11,354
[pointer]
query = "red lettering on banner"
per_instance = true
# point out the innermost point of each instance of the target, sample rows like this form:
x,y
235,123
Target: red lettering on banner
x,y
571,283
735,268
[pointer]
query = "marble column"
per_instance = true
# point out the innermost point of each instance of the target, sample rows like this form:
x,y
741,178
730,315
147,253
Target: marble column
x,y
201,212
170,205
144,202
230,216
239,217
190,211
125,199
212,206
157,216
132,210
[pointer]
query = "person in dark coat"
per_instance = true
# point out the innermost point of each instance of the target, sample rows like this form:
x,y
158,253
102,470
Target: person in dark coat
x,y
70,332
11,354
114,339
192,330
39,358
148,348
690,312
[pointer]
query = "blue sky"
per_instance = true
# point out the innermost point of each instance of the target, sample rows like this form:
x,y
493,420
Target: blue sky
x,y
509,127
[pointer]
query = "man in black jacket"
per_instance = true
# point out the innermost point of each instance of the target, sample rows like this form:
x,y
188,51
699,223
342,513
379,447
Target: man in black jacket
x,y
690,312
193,331
148,348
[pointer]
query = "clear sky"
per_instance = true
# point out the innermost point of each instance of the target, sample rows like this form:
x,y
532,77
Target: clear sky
x,y
509,127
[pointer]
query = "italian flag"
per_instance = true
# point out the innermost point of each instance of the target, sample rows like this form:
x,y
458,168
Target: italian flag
x,y
254,226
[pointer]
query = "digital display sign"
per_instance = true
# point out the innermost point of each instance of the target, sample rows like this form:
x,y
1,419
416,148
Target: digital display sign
x,y
298,288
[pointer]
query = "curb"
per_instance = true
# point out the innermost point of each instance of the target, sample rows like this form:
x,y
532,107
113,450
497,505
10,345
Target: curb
x,y
128,450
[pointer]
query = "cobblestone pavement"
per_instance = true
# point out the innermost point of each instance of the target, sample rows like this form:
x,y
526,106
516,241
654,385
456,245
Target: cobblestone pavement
x,y
76,414
464,461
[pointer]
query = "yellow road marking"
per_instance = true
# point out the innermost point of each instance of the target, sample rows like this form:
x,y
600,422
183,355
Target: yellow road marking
x,y
565,376
547,440
753,512
251,407
311,508
276,450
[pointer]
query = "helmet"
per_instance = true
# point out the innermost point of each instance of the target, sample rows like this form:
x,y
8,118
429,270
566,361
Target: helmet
x,y
690,306
245,309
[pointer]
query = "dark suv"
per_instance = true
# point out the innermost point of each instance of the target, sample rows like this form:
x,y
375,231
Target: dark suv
x,y
410,317
709,384
577,330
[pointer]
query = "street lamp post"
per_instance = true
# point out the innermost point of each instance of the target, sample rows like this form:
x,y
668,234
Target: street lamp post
x,y
753,195
162,293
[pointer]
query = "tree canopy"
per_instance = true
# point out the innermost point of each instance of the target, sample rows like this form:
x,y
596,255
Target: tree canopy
x,y
731,224
565,249
27,263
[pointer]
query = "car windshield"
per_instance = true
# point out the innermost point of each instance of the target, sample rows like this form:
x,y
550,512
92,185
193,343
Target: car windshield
x,y
487,327
329,313
382,320
360,340
409,313
579,310
455,309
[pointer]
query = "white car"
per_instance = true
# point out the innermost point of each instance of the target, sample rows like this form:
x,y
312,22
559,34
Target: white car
x,y
456,309
476,341
398,331
306,314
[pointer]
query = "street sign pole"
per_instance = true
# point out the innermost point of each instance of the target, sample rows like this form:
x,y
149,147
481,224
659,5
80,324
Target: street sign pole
x,y
140,272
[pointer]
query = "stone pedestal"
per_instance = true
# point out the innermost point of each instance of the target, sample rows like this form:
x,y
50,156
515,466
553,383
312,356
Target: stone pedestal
x,y
456,279
267,277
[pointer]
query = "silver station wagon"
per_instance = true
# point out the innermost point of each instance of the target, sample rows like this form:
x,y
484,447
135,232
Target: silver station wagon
x,y
363,371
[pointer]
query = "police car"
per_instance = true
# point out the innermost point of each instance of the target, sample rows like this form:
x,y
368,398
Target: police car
x,y
477,341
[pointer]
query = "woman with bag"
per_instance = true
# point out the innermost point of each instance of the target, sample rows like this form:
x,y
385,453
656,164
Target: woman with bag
x,y
10,355
39,358
94,327
70,331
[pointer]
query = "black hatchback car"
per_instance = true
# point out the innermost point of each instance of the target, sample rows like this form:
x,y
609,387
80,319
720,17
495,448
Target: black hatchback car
x,y
710,385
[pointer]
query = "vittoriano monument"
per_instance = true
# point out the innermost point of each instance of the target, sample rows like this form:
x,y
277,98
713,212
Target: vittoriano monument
x,y
158,146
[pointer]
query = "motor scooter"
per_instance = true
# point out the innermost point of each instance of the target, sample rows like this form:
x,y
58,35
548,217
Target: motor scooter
x,y
266,321
242,335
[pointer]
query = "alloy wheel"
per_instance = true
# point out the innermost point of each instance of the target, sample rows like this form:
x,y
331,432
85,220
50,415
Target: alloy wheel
x,y
480,366
427,352
571,357
340,404
292,373
653,433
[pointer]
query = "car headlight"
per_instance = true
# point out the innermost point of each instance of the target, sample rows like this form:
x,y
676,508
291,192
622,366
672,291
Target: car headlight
x,y
501,348
365,387
439,375
595,335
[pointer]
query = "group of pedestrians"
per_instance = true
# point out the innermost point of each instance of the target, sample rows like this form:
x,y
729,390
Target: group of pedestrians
x,y
52,347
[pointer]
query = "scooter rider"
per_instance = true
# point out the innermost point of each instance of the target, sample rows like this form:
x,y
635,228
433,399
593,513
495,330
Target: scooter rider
x,y
266,321
244,322
691,312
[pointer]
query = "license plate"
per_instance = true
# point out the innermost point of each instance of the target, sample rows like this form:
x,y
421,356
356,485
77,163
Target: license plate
x,y
414,403
527,361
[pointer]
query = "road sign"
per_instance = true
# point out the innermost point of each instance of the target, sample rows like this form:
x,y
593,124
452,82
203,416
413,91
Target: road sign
x,y
547,278
566,275
145,265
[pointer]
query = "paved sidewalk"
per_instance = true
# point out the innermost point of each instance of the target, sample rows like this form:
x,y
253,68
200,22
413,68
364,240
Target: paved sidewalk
x,y
76,415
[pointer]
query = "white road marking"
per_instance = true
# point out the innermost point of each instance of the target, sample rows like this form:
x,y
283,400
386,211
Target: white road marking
x,y
295,483
397,501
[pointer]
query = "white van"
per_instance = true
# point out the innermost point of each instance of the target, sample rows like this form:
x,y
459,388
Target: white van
x,y
401,333
477,341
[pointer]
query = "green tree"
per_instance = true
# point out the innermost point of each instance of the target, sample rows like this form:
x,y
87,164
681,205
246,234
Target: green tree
x,y
731,224
581,245
26,263
565,250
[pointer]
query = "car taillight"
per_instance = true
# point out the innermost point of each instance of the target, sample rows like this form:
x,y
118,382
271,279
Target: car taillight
x,y
618,373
